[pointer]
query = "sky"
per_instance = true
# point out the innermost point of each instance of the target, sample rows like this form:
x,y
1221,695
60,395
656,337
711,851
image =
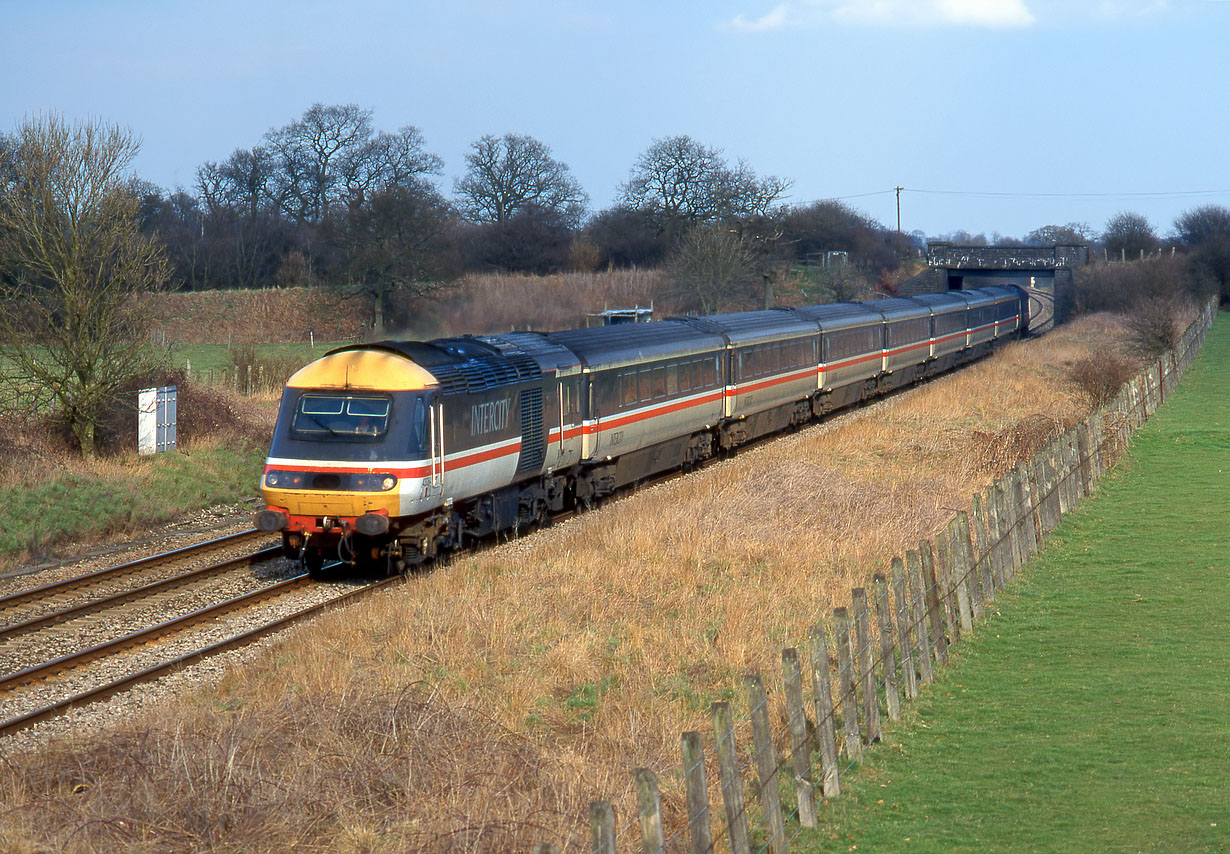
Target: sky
x,y
994,116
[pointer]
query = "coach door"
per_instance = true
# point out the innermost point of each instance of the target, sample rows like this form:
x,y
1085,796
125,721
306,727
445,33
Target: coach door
x,y
435,432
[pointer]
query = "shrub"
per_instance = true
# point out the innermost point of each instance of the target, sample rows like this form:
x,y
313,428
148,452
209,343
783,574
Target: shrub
x,y
1099,376
1153,327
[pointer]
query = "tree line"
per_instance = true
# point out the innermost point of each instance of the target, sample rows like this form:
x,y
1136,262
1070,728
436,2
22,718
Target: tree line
x,y
330,200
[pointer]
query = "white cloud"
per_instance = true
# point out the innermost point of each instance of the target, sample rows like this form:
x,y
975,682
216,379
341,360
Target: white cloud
x,y
1001,14
776,19
986,13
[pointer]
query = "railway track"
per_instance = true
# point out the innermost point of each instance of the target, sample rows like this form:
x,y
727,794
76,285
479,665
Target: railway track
x,y
51,684
84,639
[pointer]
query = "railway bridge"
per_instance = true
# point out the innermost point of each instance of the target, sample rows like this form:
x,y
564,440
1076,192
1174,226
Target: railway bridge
x,y
1045,272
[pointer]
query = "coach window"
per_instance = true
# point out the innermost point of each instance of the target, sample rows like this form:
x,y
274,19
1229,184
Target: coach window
x,y
659,382
418,426
627,389
672,380
643,385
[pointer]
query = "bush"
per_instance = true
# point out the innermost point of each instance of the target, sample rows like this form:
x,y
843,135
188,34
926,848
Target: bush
x,y
1154,327
1099,377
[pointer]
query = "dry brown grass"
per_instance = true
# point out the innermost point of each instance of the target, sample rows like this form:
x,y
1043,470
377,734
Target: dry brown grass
x,y
480,706
262,316
503,302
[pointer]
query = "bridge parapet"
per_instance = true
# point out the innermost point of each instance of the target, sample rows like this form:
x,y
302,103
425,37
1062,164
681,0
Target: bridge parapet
x,y
963,257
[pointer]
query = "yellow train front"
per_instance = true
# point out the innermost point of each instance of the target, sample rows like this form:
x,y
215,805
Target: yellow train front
x,y
378,447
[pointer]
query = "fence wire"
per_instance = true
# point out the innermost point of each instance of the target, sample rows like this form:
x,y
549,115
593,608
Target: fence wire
x,y
979,548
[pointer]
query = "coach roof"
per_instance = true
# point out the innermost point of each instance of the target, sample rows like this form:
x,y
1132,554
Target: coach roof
x,y
610,346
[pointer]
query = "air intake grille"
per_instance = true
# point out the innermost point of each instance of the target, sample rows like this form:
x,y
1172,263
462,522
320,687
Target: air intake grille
x,y
533,450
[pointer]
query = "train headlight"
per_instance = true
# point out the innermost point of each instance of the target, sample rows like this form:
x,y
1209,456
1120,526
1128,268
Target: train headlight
x,y
373,482
285,479
372,524
270,520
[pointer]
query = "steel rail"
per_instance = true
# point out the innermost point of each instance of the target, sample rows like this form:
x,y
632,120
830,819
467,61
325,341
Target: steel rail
x,y
45,590
175,624
117,686
145,591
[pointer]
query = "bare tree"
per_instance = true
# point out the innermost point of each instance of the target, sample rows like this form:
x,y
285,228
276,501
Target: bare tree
x,y
244,183
330,159
1128,235
678,178
506,175
712,269
77,269
1203,225
1074,233
395,245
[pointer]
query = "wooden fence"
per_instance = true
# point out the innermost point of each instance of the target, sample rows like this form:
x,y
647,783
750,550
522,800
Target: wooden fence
x,y
876,654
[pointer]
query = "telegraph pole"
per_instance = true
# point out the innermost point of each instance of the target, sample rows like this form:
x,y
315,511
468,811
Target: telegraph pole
x,y
899,189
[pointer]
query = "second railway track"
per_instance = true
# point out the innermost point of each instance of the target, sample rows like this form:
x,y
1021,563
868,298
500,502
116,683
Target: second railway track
x,y
87,638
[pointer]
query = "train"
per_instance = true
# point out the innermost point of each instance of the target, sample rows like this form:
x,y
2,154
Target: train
x,y
390,454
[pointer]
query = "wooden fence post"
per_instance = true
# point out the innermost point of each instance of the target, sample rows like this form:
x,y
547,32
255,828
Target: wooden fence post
x,y
960,575
728,775
931,592
601,827
970,562
697,792
649,811
901,601
800,746
865,661
888,659
982,562
918,615
1003,519
845,684
822,694
1025,501
766,763
944,581
995,541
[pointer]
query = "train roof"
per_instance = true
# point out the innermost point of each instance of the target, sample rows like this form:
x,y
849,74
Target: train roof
x,y
460,364
549,355
1002,292
610,346
752,327
897,308
941,302
974,297
838,315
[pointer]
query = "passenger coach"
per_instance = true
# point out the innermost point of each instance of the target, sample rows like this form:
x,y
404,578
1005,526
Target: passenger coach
x,y
387,454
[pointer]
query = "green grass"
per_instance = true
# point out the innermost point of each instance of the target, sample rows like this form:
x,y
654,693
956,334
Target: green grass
x,y
76,504
217,357
1094,714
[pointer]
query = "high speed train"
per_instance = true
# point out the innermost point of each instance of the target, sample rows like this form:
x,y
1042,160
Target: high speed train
x,y
389,454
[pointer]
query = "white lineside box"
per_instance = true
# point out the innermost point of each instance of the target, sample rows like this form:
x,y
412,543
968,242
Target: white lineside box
x,y
156,419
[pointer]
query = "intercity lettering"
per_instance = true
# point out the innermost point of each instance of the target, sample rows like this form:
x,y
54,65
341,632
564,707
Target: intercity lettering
x,y
489,417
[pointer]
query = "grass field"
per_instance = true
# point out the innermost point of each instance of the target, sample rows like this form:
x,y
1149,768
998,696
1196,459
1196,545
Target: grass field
x,y
95,498
1092,714
218,357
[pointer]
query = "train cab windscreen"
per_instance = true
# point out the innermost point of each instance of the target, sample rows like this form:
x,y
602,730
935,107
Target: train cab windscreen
x,y
341,416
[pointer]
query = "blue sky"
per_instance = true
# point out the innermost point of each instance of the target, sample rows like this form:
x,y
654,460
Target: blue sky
x,y
996,116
